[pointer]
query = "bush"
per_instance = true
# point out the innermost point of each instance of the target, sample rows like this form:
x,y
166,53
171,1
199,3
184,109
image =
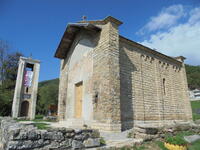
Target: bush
x,y
102,141
176,140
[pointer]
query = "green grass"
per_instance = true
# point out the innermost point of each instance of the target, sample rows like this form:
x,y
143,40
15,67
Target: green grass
x,y
185,133
102,141
39,116
176,140
195,105
161,145
42,126
142,147
18,120
195,146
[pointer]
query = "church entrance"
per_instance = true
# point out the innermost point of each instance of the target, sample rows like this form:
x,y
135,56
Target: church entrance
x,y
78,99
24,109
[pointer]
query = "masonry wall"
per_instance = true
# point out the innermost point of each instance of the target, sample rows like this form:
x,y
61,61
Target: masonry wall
x,y
98,67
18,136
20,90
153,89
77,67
106,80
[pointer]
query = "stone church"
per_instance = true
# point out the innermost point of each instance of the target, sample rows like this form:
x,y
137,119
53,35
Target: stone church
x,y
112,83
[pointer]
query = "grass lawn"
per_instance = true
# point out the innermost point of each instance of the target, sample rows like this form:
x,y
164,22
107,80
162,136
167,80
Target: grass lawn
x,y
195,105
38,118
195,146
38,122
42,126
159,145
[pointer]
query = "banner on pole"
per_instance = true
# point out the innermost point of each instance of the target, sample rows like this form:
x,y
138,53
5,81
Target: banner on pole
x,y
28,78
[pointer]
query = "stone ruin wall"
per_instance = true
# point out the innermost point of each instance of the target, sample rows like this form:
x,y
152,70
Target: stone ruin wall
x,y
143,96
17,136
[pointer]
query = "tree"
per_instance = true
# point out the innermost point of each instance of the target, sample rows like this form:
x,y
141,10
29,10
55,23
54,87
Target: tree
x,y
193,76
47,95
3,53
8,74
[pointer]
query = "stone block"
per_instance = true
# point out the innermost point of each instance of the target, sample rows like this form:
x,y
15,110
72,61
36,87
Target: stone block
x,y
192,138
90,142
77,144
57,136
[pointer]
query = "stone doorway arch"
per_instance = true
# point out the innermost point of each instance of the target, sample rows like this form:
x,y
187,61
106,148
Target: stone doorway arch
x,y
24,109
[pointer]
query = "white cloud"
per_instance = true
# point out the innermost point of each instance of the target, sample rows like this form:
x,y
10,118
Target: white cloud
x,y
166,18
182,39
194,15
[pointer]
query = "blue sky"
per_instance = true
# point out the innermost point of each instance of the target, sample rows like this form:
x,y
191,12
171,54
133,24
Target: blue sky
x,y
36,26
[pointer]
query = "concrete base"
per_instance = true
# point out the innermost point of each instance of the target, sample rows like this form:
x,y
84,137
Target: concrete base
x,y
79,123
160,123
116,128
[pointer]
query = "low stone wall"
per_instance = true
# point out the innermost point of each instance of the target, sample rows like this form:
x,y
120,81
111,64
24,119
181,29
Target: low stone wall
x,y
17,136
148,133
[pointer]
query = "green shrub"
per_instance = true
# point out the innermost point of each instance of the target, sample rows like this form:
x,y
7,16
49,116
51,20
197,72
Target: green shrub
x,y
130,135
102,141
161,145
176,140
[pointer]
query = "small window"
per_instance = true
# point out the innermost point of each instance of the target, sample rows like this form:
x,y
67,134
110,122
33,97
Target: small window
x,y
164,90
29,67
26,89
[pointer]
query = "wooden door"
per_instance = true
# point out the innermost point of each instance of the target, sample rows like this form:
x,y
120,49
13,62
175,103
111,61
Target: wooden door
x,y
78,99
24,109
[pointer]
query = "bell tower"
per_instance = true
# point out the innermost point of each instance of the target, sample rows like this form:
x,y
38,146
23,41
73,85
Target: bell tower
x,y
25,96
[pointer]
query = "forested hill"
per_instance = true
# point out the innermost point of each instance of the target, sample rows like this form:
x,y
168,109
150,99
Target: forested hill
x,y
193,76
48,82
47,95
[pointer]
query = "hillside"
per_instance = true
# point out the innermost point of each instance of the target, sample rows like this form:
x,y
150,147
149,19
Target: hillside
x,y
47,95
193,76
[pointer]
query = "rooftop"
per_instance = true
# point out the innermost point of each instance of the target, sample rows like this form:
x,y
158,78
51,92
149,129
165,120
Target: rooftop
x,y
73,28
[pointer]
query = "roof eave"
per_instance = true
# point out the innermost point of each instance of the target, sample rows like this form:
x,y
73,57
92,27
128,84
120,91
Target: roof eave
x,y
152,51
69,35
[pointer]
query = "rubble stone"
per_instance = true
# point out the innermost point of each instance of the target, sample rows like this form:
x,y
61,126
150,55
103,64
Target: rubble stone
x,y
17,136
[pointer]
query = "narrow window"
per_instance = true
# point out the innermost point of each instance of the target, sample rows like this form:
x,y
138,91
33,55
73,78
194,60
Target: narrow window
x,y
27,90
164,90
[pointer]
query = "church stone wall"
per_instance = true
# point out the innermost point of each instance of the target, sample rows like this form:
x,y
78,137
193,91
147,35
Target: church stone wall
x,y
153,89
126,84
106,81
77,67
